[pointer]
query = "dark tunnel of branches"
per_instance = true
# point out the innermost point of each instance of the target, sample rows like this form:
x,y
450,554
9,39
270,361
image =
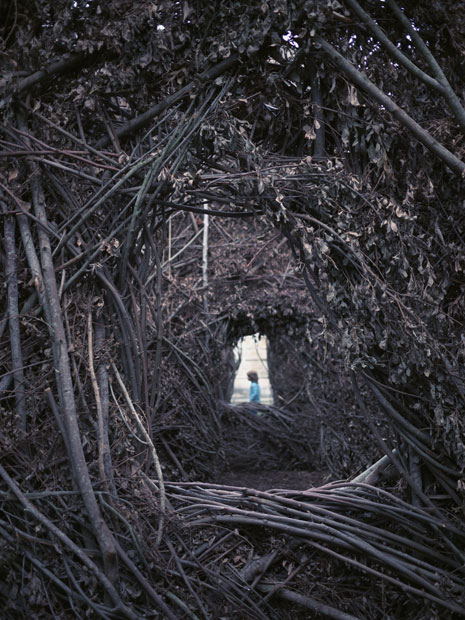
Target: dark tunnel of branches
x,y
175,176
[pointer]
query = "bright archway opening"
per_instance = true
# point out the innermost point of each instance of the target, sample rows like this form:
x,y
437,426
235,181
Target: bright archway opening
x,y
252,351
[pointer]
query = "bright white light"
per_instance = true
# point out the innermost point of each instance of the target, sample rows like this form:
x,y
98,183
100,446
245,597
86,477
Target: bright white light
x,y
289,38
253,353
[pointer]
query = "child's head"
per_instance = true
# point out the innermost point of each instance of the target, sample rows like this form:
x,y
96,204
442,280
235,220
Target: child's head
x,y
252,376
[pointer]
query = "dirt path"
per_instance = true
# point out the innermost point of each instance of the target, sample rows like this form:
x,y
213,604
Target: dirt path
x,y
266,480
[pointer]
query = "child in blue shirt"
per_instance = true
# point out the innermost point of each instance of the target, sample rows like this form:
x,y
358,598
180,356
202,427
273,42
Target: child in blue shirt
x,y
254,392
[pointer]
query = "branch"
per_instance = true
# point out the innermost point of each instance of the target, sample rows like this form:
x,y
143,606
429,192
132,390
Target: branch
x,y
372,473
66,390
439,82
305,601
389,45
319,144
139,121
62,537
103,389
358,78
13,316
447,89
104,455
68,62
153,452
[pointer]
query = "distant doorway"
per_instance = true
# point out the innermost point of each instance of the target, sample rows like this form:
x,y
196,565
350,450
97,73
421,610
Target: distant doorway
x,y
252,352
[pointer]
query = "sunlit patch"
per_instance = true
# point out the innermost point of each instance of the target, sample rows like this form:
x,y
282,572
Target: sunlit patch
x,y
252,352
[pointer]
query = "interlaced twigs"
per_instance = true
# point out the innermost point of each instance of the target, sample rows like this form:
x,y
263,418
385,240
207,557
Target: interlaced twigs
x,y
171,100
109,157
153,453
103,194
362,81
37,154
179,137
73,595
157,318
66,391
99,224
67,542
439,78
397,462
127,333
327,519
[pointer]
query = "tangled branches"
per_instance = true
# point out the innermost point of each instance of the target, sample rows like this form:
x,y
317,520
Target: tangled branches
x,y
130,274
369,530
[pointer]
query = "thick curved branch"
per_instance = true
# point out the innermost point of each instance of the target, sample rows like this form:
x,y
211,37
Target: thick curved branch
x,y
449,94
360,80
439,82
393,50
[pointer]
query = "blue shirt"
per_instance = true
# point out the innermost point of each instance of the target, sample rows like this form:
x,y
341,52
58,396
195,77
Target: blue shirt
x,y
254,393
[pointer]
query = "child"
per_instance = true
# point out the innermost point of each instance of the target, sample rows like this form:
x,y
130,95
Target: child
x,y
254,392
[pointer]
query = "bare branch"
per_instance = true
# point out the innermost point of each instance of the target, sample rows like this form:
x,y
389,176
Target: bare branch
x,y
13,317
393,50
449,94
453,162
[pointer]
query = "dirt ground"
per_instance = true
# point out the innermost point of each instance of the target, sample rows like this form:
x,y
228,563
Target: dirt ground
x,y
266,480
